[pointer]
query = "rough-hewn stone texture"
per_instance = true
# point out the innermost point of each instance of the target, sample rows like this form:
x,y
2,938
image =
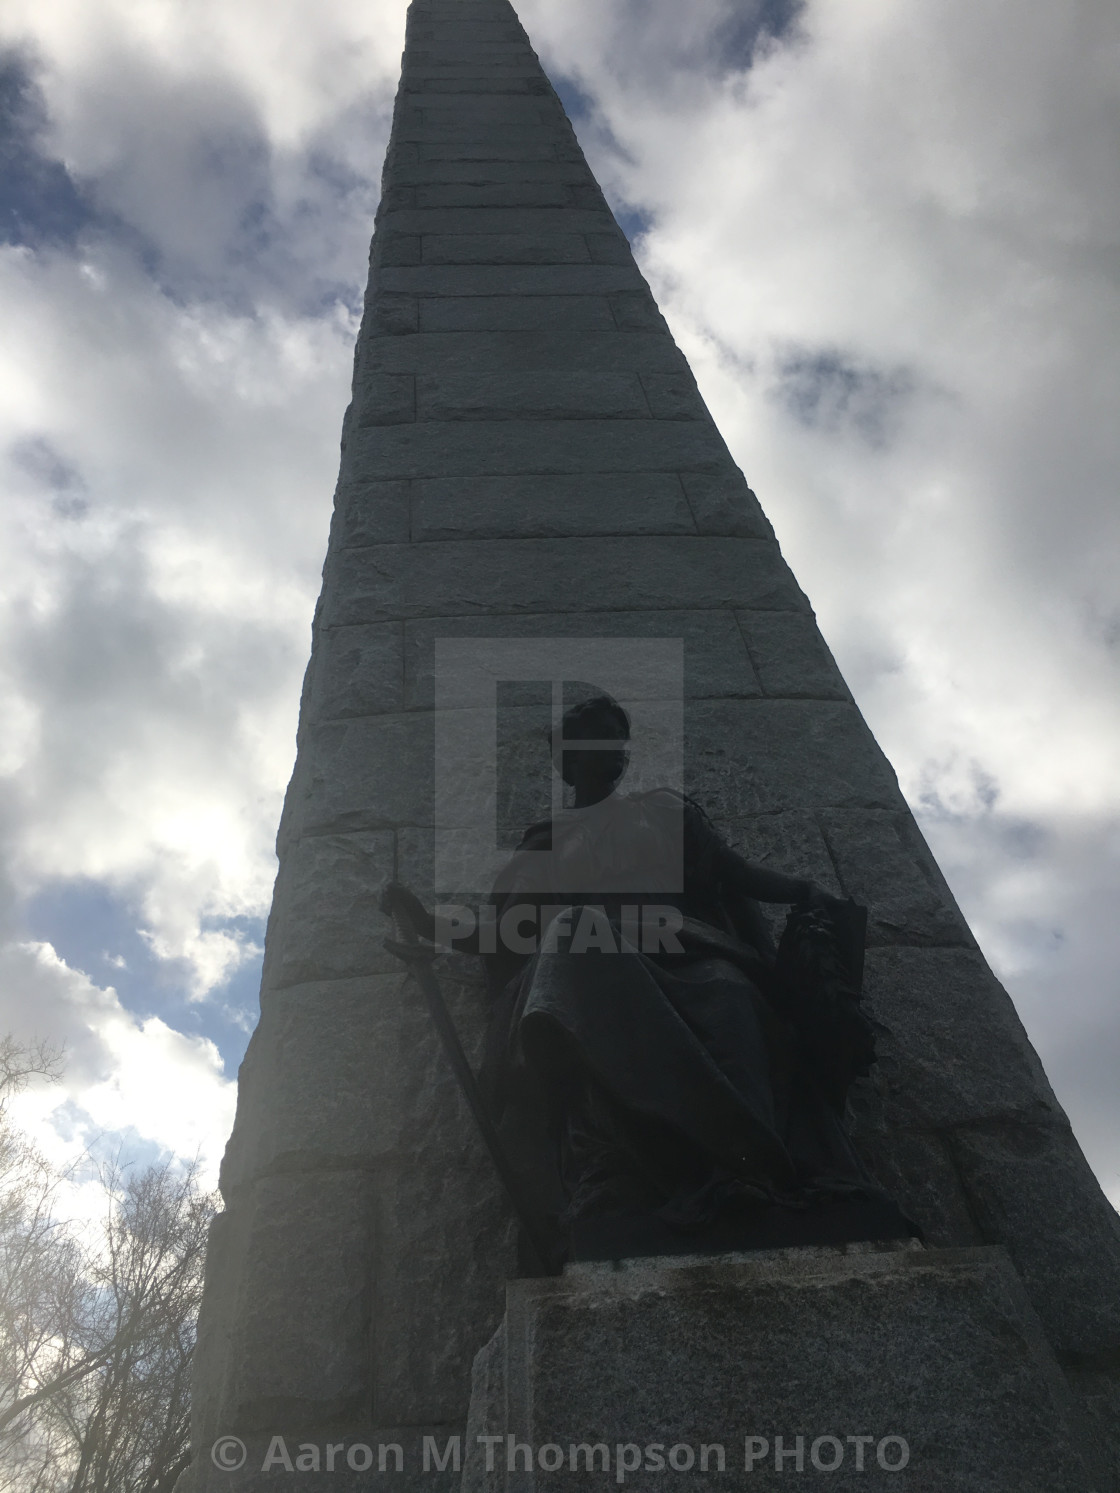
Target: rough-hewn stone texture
x,y
937,1348
527,455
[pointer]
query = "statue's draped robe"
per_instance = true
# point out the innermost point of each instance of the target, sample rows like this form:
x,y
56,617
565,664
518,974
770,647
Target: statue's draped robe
x,y
629,1080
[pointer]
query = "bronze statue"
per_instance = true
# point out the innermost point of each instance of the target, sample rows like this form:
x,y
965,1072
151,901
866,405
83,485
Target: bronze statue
x,y
662,1079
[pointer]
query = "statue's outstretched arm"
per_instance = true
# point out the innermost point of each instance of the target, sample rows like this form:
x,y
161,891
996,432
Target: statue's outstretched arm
x,y
766,885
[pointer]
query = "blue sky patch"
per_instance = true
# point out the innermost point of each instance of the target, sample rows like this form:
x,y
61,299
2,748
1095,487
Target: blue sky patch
x,y
95,929
40,203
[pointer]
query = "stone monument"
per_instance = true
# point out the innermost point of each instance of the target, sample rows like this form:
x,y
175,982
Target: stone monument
x,y
527,464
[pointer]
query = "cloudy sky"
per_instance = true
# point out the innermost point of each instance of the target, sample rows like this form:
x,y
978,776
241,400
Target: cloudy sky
x,y
885,236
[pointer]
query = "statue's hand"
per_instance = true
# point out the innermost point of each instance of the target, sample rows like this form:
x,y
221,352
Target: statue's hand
x,y
818,900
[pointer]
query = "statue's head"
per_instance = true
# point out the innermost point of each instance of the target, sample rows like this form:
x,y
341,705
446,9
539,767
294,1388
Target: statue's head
x,y
594,769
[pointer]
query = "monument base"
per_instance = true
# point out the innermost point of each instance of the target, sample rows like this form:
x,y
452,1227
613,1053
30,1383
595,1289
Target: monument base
x,y
860,1367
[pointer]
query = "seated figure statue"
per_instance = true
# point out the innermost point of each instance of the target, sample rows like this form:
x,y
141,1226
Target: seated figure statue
x,y
663,1079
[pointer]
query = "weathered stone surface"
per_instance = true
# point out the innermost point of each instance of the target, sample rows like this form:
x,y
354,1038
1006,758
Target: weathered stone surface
x,y
536,396
715,662
1019,1174
430,1324
938,1348
393,315
318,1090
494,194
724,504
751,757
880,871
479,172
348,1074
360,671
562,350
505,248
370,773
674,396
506,448
636,311
548,224
631,573
550,507
386,399
792,658
916,1168
514,279
325,920
371,513
301,1338
791,842
515,313
953,1049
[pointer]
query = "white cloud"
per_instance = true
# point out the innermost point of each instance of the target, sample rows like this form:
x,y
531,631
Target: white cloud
x,y
122,1076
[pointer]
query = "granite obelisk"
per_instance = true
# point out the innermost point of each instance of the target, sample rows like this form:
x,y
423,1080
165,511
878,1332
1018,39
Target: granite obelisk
x,y
527,456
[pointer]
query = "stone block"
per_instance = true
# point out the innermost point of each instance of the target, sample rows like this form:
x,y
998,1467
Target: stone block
x,y
792,658
504,248
371,513
349,1074
514,313
628,573
880,871
491,136
320,1088
938,1350
724,504
369,773
495,149
393,315
635,310
485,222
459,81
494,194
556,349
478,172
301,1338
447,1246
609,248
1032,1190
534,396
325,922
750,757
512,108
791,842
396,248
674,396
481,449
715,660
915,1167
515,280
385,399
952,1049
360,672
1098,1393
543,507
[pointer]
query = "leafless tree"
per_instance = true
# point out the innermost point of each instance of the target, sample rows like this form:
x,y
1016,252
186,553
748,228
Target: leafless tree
x,y
96,1328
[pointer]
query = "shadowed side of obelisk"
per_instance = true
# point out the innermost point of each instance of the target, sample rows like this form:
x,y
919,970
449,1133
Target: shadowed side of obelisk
x,y
527,455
